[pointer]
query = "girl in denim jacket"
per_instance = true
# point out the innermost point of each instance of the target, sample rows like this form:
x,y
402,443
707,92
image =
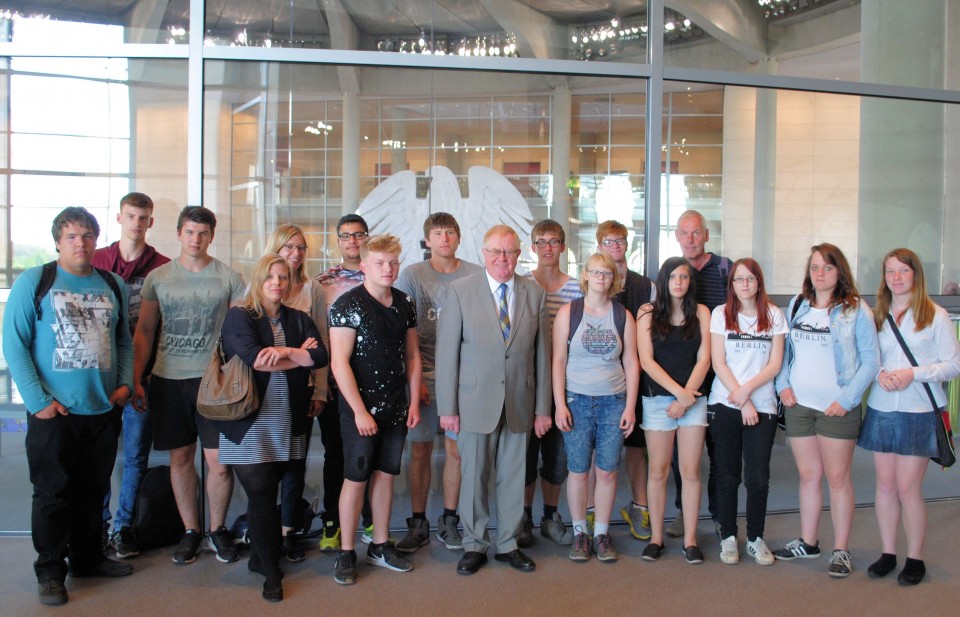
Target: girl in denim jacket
x,y
831,356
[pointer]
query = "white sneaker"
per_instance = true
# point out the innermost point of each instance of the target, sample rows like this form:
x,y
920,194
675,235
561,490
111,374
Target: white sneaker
x,y
729,554
759,551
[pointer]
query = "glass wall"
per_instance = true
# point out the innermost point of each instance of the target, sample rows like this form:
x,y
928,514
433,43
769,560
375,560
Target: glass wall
x,y
820,124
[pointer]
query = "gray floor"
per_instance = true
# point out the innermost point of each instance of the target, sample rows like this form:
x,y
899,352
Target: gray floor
x,y
15,505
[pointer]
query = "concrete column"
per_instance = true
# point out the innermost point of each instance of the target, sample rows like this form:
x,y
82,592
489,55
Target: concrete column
x,y
351,153
903,156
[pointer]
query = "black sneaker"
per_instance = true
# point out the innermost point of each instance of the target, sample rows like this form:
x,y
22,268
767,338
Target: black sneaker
x,y
797,549
124,543
418,534
292,550
387,556
345,569
693,554
652,552
51,592
105,538
221,543
107,568
188,548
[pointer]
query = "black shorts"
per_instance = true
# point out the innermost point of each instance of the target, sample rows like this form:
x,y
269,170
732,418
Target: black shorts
x,y
364,455
174,417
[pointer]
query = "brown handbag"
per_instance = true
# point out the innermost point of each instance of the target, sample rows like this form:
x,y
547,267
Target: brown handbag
x,y
227,389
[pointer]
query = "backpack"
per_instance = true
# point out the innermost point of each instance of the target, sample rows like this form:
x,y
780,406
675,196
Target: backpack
x,y
576,316
781,411
156,519
49,273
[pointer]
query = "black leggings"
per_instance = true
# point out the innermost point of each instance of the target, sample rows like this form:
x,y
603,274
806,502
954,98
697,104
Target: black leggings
x,y
261,482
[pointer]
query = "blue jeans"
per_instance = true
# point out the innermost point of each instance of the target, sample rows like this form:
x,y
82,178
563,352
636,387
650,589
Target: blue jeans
x,y
137,437
596,426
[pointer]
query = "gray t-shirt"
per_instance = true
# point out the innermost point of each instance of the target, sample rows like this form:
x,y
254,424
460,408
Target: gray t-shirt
x,y
428,290
593,358
192,306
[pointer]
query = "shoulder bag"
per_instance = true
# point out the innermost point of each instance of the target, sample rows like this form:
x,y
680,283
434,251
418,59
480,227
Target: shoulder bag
x,y
227,389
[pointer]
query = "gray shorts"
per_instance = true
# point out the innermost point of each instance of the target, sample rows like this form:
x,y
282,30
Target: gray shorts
x,y
806,422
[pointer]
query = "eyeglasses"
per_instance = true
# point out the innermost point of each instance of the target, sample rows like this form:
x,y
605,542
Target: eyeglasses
x,y
497,253
600,274
357,235
295,247
542,244
618,242
739,280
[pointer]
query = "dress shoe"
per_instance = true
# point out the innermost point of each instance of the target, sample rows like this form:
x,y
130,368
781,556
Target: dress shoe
x,y
107,568
517,560
471,562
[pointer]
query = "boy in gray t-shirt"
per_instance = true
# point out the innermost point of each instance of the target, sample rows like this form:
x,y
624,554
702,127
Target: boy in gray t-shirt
x,y
427,283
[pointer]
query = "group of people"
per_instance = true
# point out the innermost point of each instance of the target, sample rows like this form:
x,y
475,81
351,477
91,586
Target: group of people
x,y
539,375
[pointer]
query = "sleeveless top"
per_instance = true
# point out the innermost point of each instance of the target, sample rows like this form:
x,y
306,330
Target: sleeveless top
x,y
676,356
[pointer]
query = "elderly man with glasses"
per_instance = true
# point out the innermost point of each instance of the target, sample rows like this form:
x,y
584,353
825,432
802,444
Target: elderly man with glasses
x,y
493,387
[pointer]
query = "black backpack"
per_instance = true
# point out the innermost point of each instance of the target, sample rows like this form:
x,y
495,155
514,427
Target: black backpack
x,y
156,520
49,273
576,316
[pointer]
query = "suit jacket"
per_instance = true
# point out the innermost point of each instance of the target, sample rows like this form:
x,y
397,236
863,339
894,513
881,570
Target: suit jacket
x,y
478,375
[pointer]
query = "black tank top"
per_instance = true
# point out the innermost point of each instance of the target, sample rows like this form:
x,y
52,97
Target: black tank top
x,y
676,356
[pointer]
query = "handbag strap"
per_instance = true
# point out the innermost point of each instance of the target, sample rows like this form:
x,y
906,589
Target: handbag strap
x,y
913,361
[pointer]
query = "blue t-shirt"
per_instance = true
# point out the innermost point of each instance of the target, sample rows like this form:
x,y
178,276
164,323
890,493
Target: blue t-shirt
x,y
72,355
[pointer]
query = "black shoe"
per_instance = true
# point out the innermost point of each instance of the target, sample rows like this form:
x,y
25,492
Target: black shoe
x,y
292,550
272,590
693,554
188,548
51,592
517,560
108,568
471,562
255,565
345,568
124,543
883,566
221,542
525,533
912,573
652,552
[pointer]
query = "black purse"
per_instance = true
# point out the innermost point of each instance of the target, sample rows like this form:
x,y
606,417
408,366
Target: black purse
x,y
947,455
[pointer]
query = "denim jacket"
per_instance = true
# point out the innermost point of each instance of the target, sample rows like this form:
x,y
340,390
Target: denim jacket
x,y
856,351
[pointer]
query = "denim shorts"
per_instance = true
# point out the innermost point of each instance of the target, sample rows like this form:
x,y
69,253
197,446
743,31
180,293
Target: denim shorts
x,y
596,426
898,432
655,416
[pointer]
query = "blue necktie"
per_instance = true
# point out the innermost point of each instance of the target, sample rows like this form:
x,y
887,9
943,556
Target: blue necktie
x,y
504,312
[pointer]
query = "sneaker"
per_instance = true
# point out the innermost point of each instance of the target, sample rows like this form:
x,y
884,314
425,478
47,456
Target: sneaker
x,y
367,536
330,539
591,519
387,556
729,553
221,543
105,538
652,552
675,528
124,543
448,533
580,551
418,534
693,554
51,592
603,549
797,549
345,569
525,534
760,552
638,517
292,550
840,566
189,547
553,529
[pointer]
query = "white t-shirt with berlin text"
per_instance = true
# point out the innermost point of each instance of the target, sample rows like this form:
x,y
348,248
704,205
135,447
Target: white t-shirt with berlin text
x,y
747,353
813,374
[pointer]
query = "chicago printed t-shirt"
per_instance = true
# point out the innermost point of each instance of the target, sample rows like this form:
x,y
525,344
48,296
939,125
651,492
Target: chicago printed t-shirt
x,y
192,305
747,353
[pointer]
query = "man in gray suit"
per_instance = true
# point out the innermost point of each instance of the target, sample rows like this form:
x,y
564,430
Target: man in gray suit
x,y
493,386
